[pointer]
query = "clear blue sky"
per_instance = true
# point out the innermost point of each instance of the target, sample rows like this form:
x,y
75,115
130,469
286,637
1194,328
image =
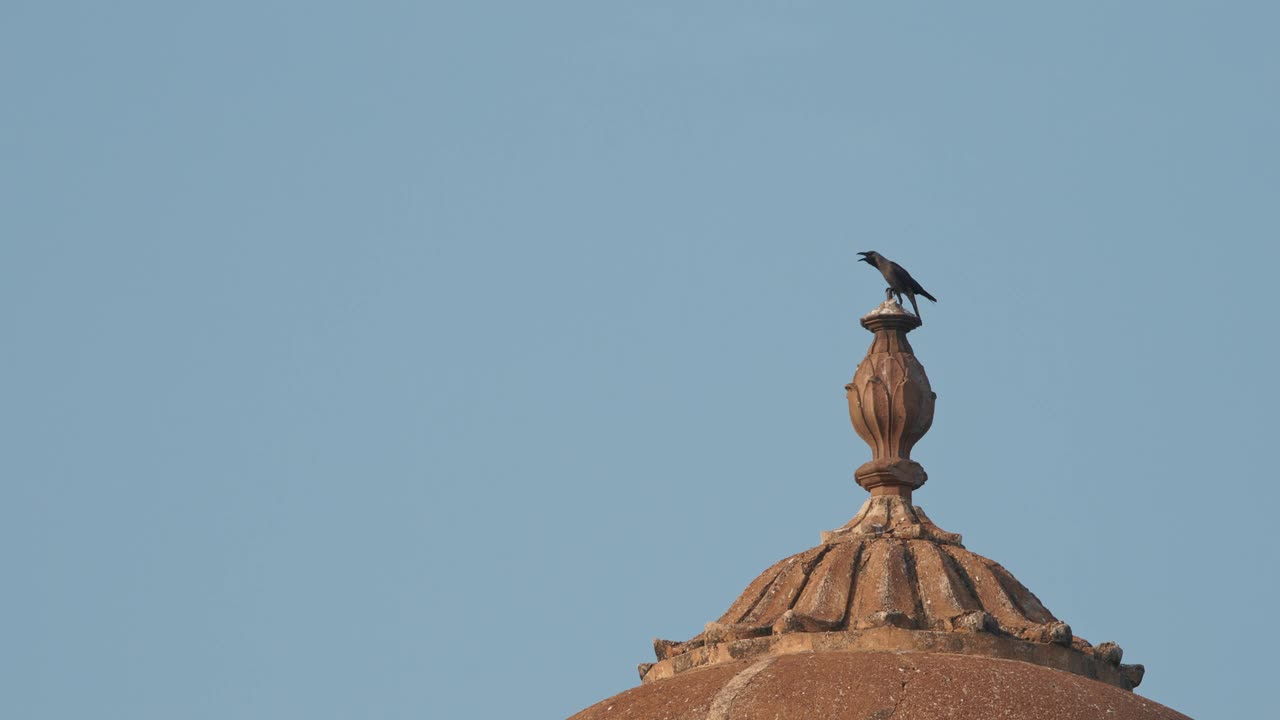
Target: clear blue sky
x,y
425,360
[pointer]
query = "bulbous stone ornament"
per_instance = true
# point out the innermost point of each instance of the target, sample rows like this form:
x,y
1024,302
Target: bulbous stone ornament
x,y
890,403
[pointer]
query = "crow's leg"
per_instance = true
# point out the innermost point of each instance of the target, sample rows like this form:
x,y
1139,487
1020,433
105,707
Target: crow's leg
x,y
912,297
888,294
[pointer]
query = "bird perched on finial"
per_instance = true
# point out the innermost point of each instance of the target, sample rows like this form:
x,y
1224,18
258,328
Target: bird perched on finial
x,y
900,281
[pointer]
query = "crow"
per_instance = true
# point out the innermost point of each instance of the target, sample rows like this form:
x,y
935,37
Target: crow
x,y
900,281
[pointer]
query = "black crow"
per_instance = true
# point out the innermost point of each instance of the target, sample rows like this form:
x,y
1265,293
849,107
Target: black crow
x,y
900,281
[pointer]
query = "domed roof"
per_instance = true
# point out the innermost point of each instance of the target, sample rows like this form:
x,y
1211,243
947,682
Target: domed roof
x,y
890,616
876,685
891,580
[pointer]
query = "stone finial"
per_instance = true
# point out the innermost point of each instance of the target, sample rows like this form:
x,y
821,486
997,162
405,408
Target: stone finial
x,y
890,403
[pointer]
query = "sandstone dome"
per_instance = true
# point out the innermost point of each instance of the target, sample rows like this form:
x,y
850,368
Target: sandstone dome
x,y
876,685
890,617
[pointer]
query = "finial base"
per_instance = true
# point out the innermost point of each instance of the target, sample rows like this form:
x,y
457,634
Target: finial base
x,y
881,474
893,517
890,315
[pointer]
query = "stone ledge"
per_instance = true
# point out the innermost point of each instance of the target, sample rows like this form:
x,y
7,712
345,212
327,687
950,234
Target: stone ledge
x,y
894,639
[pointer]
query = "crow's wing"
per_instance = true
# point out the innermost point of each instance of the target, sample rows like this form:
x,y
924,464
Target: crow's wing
x,y
911,283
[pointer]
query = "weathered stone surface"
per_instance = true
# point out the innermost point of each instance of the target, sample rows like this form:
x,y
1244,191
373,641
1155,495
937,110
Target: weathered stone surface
x,y
1109,653
1133,673
688,699
1058,633
882,587
890,617
825,598
977,621
664,649
864,581
781,593
892,632
890,516
944,595
833,685
844,590
883,618
993,597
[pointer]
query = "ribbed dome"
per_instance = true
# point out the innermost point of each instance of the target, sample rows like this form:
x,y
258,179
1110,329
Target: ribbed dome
x,y
862,584
891,568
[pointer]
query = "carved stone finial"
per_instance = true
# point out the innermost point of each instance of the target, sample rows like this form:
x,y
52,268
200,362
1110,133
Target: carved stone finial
x,y
890,403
